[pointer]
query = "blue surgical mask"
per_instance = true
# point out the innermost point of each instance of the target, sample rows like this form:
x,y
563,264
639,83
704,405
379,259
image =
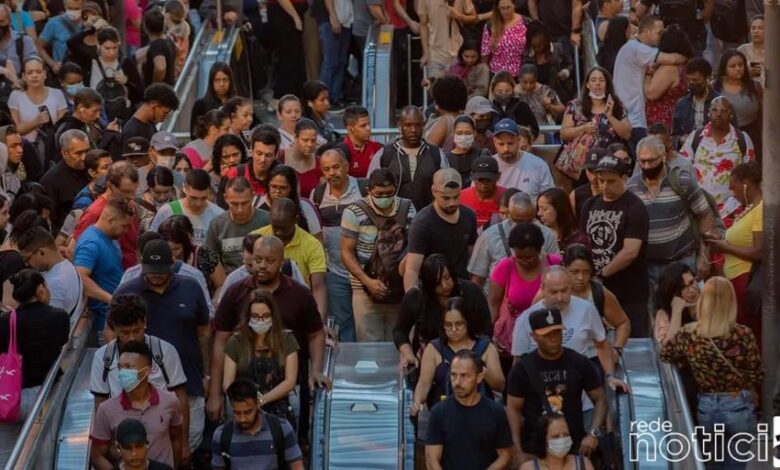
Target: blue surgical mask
x,y
129,380
75,88
383,202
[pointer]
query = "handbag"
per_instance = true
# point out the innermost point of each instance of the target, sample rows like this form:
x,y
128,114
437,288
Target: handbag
x,y
571,158
10,376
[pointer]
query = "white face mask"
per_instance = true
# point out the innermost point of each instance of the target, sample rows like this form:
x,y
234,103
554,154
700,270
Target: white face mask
x,y
167,162
74,15
594,96
560,446
260,327
464,141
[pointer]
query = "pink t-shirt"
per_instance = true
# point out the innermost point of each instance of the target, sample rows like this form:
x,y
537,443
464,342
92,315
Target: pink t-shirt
x,y
133,12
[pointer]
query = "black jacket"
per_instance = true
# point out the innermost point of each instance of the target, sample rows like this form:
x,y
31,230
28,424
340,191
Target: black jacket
x,y
418,189
518,111
99,138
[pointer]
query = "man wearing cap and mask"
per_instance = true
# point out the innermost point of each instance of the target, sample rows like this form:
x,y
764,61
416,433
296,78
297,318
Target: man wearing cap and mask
x,y
445,227
519,169
551,379
484,195
134,447
617,226
178,313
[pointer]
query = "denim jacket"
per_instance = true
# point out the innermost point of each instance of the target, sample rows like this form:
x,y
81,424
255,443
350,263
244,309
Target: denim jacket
x,y
684,117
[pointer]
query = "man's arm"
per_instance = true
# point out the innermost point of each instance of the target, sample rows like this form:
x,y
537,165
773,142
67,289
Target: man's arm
x,y
412,270
98,457
91,289
503,460
177,441
624,257
160,65
378,14
576,22
424,42
320,293
317,354
665,58
533,9
514,410
215,402
433,457
184,407
599,399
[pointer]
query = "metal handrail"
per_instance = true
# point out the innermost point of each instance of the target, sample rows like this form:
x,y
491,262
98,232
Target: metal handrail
x,y
76,341
681,416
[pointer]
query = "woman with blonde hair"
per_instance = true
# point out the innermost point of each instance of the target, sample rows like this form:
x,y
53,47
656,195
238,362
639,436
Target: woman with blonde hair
x,y
725,362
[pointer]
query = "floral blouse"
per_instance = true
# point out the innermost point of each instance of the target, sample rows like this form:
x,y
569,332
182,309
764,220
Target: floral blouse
x,y
606,133
534,101
709,367
713,161
507,54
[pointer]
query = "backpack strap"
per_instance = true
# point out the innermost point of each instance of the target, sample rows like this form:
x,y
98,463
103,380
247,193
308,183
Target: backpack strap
x,y
504,240
696,141
278,438
481,346
287,268
741,142
109,359
158,359
403,212
224,443
319,193
73,310
598,296
176,207
363,186
145,204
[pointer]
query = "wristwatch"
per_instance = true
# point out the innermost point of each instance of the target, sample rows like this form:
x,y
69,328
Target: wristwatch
x,y
596,432
577,30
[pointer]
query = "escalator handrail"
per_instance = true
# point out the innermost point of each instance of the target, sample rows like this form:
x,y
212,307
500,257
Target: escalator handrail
x,y
77,338
188,64
671,375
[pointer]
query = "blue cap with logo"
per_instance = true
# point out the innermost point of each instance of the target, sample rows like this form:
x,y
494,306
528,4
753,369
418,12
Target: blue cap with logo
x,y
506,125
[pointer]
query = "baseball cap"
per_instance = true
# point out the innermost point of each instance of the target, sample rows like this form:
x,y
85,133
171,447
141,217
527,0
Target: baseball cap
x,y
163,141
157,258
93,7
130,431
479,105
135,146
485,167
447,176
593,157
613,164
545,320
506,125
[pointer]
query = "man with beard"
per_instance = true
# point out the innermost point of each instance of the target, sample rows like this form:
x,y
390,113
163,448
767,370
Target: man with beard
x,y
676,206
412,160
299,314
518,168
331,198
254,435
445,227
467,430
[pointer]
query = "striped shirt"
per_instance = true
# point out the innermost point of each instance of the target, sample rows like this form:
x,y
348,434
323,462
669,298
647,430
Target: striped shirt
x,y
357,225
672,235
257,451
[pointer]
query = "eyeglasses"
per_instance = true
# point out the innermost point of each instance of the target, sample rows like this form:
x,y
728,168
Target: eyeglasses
x,y
458,325
261,317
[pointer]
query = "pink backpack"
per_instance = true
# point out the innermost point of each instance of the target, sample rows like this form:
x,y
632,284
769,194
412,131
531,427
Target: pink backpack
x,y
10,376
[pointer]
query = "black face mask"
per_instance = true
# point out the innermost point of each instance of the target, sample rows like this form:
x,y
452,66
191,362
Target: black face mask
x,y
503,99
482,126
697,90
652,173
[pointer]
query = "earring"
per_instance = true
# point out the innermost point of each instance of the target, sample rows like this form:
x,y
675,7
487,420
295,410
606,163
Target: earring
x,y
744,193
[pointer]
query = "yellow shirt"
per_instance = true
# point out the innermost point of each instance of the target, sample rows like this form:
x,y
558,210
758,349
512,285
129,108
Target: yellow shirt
x,y
307,252
741,234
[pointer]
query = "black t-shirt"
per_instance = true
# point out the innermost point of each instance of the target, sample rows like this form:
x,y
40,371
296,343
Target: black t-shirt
x,y
462,163
563,381
607,225
62,183
581,194
556,14
160,47
470,434
431,234
11,262
135,128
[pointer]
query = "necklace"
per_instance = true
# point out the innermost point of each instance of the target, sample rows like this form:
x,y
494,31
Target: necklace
x,y
747,209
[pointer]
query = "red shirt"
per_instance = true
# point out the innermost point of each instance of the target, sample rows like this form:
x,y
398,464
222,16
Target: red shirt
x,y
246,171
308,180
127,242
395,20
483,209
361,159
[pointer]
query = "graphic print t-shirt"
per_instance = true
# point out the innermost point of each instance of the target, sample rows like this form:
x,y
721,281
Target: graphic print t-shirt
x,y
608,224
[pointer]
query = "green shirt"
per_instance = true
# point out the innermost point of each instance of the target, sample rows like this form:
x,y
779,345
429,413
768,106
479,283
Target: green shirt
x,y
234,349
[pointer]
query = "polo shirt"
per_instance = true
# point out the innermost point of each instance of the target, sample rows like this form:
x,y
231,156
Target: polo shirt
x,y
225,237
179,267
251,452
360,159
304,249
102,256
159,417
296,305
128,242
174,316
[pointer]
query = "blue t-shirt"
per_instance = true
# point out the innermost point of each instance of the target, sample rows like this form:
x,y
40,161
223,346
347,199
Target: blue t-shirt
x,y
56,33
103,257
26,20
174,316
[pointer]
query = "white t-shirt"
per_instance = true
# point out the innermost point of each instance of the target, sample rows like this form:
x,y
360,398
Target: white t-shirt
x,y
530,174
200,223
28,111
630,66
64,285
112,387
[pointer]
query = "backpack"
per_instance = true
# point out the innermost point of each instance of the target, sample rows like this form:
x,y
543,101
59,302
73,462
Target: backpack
x,y
114,94
674,182
729,20
680,12
391,239
447,355
277,435
156,357
697,136
598,296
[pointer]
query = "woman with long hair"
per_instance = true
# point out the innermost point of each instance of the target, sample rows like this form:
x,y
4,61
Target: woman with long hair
x,y
424,305
211,126
503,39
619,30
457,332
36,106
552,446
265,353
316,105
241,114
288,113
221,88
301,155
734,82
507,105
669,83
283,183
470,68
555,212
725,361
178,232
229,151
595,119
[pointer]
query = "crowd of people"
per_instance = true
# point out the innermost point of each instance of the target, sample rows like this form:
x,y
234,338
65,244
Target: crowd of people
x,y
509,282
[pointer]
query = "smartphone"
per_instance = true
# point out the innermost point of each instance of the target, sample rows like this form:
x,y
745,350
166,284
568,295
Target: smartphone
x,y
755,64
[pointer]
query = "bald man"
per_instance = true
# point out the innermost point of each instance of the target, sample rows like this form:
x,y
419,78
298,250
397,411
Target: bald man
x,y
298,311
412,160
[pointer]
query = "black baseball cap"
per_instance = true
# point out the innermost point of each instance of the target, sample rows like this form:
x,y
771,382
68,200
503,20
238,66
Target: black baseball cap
x,y
613,164
135,146
545,320
485,168
593,157
157,258
130,431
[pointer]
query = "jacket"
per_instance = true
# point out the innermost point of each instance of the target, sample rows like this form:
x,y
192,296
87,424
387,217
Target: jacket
x,y
418,189
684,117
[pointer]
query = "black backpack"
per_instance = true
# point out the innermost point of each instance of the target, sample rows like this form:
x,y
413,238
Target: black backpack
x,y
729,20
114,94
277,435
680,12
391,240
447,355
